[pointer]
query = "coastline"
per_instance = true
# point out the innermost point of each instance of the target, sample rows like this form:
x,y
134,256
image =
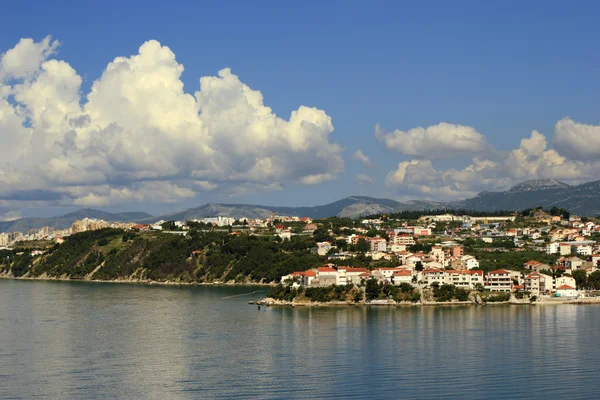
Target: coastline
x,y
269,302
133,281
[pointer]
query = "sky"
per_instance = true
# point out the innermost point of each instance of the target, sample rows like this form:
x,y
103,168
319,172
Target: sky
x,y
159,106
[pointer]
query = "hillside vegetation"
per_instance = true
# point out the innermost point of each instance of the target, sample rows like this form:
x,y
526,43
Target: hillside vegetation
x,y
114,254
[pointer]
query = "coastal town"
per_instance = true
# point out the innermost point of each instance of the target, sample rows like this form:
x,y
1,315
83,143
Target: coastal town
x,y
471,253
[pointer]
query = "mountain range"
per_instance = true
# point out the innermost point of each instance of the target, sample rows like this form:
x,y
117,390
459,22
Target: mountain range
x,y
65,221
581,199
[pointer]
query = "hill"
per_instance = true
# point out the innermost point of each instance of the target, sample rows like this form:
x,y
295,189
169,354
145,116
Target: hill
x,y
65,221
353,207
581,199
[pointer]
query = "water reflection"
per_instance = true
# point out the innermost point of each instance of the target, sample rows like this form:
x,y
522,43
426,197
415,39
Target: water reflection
x,y
75,340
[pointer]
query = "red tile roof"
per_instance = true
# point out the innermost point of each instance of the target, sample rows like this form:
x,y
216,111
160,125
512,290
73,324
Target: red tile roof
x,y
348,269
565,287
499,272
326,269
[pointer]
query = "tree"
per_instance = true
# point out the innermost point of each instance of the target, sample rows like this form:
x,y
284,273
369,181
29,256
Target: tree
x,y
580,278
321,234
372,289
362,245
372,232
594,280
418,266
341,244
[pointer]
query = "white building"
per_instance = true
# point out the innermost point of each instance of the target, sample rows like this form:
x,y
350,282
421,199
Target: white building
x,y
378,244
351,275
404,239
564,280
465,279
552,248
499,281
402,276
566,291
285,234
469,262
538,284
3,239
583,249
384,274
322,248
437,253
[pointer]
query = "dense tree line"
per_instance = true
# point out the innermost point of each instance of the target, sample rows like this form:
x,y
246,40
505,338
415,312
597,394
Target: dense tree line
x,y
319,294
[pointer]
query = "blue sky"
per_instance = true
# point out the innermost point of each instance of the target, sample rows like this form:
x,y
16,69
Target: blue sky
x,y
504,69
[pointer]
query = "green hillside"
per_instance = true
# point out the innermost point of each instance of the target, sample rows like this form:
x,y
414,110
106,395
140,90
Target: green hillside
x,y
113,254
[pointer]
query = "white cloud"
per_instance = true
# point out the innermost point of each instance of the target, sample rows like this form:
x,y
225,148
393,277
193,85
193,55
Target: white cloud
x,y
316,179
576,140
439,141
25,58
364,179
9,215
420,179
138,136
531,160
360,156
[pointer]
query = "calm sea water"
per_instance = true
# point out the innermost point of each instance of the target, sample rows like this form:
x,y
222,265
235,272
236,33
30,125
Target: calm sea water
x,y
75,340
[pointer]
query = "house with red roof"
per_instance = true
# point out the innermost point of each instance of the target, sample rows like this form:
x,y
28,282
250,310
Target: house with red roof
x,y
326,276
402,276
300,277
348,275
466,279
566,291
532,265
538,284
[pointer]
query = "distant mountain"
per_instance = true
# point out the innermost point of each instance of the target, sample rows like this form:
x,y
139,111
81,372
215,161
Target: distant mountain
x,y
65,221
353,206
538,184
582,199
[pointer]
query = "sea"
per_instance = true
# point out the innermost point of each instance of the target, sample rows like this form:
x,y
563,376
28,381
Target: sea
x,y
76,340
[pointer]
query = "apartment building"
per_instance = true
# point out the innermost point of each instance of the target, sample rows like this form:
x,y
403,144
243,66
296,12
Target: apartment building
x,y
499,280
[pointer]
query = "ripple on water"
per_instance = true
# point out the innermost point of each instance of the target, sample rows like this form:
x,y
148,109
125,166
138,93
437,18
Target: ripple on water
x,y
131,341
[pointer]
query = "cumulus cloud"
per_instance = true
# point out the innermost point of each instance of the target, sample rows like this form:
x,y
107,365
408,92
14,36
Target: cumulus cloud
x,y
137,135
531,160
359,156
419,178
439,141
364,179
25,58
576,140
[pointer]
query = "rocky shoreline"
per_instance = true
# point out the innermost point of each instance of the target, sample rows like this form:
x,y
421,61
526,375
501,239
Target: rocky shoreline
x,y
283,303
